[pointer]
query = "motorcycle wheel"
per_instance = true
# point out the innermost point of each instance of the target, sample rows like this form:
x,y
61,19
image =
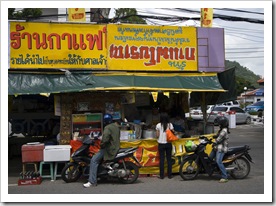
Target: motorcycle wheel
x,y
133,173
71,172
242,168
189,169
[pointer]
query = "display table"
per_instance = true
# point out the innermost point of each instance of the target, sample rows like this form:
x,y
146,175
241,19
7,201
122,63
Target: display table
x,y
148,156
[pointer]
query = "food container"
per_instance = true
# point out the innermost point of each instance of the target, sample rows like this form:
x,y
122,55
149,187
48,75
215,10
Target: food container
x,y
124,134
32,152
149,134
55,153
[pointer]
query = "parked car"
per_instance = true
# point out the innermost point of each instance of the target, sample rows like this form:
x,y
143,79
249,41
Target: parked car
x,y
197,114
241,115
256,107
231,103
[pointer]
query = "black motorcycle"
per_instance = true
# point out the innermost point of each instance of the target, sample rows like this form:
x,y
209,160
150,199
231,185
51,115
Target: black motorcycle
x,y
236,161
120,167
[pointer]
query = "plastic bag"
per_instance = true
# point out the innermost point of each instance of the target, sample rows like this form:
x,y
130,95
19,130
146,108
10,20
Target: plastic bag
x,y
190,146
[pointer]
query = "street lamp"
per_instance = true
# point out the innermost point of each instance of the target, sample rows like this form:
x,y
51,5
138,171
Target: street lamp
x,y
245,88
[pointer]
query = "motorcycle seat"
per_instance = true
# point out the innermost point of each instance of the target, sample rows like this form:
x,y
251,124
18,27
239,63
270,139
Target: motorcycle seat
x,y
232,150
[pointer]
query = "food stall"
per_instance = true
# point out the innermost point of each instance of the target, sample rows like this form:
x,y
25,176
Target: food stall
x,y
131,65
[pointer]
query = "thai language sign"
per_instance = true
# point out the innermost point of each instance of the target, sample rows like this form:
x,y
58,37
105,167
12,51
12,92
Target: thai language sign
x,y
35,45
158,48
57,45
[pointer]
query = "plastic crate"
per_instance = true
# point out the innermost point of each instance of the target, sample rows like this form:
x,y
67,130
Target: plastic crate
x,y
34,181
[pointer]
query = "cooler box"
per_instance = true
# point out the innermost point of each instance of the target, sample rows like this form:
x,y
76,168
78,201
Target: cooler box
x,y
55,153
32,152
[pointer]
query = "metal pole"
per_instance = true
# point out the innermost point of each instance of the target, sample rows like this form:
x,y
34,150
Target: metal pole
x,y
245,88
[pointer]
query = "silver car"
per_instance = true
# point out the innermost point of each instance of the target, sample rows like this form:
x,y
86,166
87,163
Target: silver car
x,y
197,114
241,115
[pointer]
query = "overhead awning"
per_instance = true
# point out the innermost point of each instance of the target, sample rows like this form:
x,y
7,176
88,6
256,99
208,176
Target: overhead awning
x,y
31,83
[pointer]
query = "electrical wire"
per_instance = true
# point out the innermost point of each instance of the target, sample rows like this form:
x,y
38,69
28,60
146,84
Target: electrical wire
x,y
244,52
237,10
244,57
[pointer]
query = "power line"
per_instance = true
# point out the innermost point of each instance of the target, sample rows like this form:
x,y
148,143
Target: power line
x,y
244,52
245,38
243,57
246,48
237,10
261,37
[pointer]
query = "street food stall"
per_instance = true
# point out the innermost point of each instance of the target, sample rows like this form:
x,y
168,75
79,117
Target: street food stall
x,y
123,70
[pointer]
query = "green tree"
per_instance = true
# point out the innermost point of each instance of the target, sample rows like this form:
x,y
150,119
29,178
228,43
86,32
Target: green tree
x,y
129,15
244,77
25,13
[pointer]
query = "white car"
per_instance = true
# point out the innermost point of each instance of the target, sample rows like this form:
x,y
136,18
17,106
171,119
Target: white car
x,y
231,103
197,114
241,115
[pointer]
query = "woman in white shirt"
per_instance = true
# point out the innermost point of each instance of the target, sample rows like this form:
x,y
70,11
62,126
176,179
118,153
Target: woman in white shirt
x,y
164,148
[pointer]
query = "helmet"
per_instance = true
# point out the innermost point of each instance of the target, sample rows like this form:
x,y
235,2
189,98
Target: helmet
x,y
107,119
222,121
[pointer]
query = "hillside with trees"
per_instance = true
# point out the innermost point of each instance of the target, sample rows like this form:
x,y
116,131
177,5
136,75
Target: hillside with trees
x,y
244,76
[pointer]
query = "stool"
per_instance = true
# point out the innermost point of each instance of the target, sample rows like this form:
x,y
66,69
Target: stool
x,y
56,168
51,170
29,163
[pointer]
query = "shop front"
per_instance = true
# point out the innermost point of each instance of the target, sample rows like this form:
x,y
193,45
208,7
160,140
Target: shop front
x,y
130,74
127,96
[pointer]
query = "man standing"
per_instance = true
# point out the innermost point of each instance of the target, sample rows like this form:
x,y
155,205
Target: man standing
x,y
110,145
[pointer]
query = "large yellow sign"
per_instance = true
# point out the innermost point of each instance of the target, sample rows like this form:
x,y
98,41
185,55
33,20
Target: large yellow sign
x,y
35,45
57,45
158,48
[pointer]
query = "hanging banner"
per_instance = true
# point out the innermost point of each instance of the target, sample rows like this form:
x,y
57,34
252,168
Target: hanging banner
x,y
151,48
206,17
76,14
154,96
35,45
148,155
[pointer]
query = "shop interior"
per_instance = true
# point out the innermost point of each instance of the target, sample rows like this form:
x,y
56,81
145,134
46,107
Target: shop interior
x,y
60,118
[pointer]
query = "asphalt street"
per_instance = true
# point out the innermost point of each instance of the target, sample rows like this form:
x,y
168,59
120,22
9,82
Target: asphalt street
x,y
252,135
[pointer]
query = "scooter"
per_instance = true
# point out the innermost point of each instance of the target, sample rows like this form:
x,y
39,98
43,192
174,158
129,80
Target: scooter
x,y
236,161
120,167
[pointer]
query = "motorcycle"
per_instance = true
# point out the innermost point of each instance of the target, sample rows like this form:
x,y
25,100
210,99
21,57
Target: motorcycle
x,y
120,167
236,161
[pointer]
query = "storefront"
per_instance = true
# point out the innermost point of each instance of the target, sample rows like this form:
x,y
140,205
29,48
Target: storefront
x,y
129,69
